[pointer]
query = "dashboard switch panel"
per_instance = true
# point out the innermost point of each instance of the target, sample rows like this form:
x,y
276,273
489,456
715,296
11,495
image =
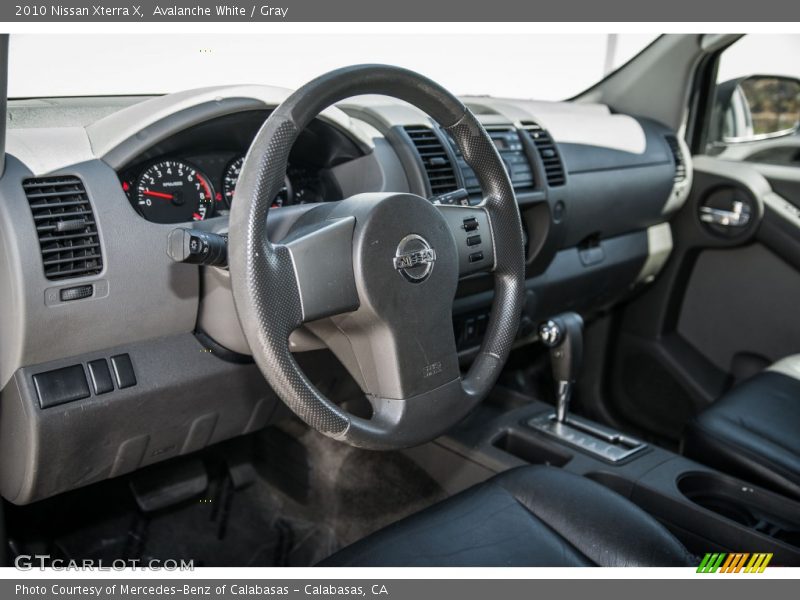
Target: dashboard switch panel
x,y
61,386
100,376
123,371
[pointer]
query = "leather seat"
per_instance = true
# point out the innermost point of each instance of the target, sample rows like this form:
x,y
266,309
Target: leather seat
x,y
530,516
753,431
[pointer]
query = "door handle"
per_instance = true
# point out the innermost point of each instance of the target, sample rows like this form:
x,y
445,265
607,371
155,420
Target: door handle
x,y
737,216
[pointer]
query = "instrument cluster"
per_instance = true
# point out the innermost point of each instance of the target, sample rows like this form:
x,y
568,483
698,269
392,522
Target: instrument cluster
x,y
184,188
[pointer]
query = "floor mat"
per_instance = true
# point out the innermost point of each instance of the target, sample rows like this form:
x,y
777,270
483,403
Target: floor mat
x,y
224,527
354,491
311,497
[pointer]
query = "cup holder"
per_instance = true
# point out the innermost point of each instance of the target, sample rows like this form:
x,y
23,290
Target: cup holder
x,y
756,509
726,508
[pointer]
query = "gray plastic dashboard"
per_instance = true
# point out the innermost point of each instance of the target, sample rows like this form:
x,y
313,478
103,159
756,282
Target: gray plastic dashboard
x,y
619,192
144,295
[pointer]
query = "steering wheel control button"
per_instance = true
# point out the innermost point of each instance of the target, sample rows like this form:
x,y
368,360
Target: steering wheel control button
x,y
414,258
61,386
471,224
76,293
123,371
100,376
473,240
476,257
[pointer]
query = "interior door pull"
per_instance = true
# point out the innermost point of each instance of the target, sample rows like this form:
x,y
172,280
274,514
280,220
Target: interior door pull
x,y
738,216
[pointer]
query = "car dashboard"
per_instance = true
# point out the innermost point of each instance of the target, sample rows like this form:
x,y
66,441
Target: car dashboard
x,y
595,192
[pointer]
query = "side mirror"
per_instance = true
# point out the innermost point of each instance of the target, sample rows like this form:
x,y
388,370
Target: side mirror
x,y
756,108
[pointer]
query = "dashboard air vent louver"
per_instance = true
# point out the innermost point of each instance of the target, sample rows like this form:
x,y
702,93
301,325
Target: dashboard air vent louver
x,y
548,151
437,164
65,225
677,154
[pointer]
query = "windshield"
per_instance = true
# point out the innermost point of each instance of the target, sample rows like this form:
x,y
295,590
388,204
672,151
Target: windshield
x,y
540,66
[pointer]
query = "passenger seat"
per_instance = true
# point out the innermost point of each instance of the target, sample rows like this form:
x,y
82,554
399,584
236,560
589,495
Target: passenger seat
x,y
753,431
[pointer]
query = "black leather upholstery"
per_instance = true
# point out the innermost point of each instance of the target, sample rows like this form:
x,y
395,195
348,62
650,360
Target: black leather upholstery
x,y
752,432
531,516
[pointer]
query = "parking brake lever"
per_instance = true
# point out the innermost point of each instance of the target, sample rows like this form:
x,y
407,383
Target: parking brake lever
x,y
563,334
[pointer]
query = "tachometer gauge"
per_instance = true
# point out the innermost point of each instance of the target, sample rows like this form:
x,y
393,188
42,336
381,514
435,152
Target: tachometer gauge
x,y
231,178
172,191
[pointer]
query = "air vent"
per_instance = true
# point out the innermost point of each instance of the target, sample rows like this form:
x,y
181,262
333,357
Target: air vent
x,y
65,225
434,158
548,151
677,154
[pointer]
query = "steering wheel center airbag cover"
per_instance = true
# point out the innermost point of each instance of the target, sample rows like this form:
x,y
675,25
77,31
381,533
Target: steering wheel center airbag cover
x,y
399,321
403,239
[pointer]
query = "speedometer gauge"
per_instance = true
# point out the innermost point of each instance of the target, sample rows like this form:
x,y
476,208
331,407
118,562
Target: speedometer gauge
x,y
231,178
171,191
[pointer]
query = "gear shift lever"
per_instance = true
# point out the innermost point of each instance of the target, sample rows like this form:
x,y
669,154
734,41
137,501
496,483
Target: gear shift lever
x,y
563,334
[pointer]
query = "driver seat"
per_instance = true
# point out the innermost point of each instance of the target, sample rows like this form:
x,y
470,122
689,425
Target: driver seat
x,y
530,516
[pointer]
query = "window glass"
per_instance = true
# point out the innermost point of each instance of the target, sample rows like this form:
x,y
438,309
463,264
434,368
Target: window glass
x,y
539,66
756,110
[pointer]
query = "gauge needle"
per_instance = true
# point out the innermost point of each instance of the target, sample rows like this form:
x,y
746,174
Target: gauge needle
x,y
159,195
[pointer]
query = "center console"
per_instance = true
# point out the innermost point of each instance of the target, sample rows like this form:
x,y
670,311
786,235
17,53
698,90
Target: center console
x,y
707,510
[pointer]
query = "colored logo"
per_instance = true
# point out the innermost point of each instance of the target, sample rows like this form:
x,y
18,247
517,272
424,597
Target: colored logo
x,y
736,562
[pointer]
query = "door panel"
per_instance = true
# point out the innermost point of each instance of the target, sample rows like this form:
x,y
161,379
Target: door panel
x,y
725,305
741,301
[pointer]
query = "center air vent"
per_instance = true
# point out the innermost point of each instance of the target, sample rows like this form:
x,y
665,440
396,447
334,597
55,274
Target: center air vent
x,y
434,158
65,225
677,154
548,151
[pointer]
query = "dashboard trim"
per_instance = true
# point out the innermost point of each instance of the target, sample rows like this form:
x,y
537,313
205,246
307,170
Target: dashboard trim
x,y
121,136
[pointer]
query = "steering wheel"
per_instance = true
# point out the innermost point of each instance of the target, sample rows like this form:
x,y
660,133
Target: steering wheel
x,y
380,269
